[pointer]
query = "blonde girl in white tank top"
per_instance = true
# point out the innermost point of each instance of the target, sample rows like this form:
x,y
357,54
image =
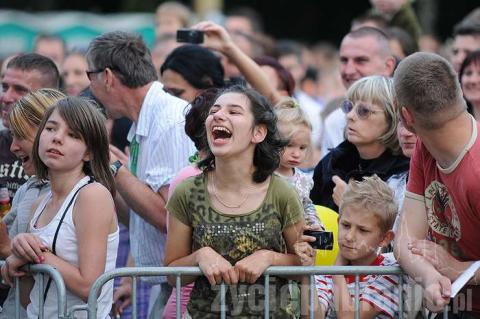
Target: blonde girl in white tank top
x,y
74,226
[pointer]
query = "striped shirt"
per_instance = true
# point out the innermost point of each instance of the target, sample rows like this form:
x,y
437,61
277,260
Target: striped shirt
x,y
381,292
164,149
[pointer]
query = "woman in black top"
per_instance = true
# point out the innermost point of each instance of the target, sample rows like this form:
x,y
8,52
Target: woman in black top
x,y
371,145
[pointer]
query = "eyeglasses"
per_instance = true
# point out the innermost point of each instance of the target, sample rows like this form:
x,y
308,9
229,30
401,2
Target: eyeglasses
x,y
362,111
89,73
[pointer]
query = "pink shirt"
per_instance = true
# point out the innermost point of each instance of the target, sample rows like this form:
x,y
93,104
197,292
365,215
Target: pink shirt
x,y
169,311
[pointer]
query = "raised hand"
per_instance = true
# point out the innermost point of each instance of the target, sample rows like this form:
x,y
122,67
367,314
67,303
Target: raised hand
x,y
217,38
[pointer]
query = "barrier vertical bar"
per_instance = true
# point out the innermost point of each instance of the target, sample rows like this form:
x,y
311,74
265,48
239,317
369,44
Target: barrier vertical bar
x,y
178,287
266,303
445,312
400,296
134,297
41,289
357,296
222,301
311,295
17,298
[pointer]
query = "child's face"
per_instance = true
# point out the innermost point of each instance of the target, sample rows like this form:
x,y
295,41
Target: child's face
x,y
61,149
296,150
359,235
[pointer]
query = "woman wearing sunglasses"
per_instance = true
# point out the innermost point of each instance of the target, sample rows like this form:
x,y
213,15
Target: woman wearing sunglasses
x,y
370,147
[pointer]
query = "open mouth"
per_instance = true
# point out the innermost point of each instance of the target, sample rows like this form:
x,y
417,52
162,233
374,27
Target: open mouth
x,y
54,151
24,159
221,133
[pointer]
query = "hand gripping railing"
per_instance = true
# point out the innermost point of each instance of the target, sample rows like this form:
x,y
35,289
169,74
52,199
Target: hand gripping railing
x,y
91,307
57,281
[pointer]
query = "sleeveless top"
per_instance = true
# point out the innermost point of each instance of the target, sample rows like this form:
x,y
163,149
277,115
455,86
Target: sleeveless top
x,y
66,249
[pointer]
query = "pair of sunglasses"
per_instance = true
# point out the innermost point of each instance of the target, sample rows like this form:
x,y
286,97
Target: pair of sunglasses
x,y
362,111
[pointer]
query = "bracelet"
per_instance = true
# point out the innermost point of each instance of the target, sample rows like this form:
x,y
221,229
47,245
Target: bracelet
x,y
46,250
115,166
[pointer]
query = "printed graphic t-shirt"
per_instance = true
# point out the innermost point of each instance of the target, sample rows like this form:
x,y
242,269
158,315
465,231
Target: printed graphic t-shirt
x,y
12,174
235,237
452,200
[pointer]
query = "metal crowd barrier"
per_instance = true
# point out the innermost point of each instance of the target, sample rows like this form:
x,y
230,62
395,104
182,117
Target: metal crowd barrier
x,y
135,272
57,281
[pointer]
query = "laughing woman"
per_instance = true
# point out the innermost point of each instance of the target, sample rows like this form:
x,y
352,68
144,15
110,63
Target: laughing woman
x,y
236,219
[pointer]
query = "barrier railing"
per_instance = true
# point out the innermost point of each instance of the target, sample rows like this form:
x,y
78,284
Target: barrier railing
x,y
58,282
91,307
178,272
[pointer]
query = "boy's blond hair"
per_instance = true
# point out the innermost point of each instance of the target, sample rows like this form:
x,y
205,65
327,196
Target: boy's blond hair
x,y
373,195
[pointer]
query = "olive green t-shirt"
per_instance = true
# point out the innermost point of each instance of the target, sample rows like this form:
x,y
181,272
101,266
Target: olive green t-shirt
x,y
235,237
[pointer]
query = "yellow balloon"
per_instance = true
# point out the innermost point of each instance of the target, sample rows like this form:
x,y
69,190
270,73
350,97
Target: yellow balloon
x,y
329,219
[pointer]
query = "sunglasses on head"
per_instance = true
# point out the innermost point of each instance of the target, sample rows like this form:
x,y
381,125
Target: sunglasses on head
x,y
362,111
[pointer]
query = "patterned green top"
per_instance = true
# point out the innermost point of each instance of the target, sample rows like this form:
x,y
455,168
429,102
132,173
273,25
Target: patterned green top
x,y
235,237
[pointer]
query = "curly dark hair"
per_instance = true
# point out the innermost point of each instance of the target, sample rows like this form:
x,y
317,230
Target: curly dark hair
x,y
196,116
266,157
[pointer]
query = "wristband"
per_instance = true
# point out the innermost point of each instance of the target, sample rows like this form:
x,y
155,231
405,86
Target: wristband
x,y
115,166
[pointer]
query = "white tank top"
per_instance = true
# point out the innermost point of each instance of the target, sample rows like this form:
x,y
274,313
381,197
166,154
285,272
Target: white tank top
x,y
66,248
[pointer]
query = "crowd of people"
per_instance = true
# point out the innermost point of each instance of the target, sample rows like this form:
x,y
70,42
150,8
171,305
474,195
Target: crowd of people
x,y
221,154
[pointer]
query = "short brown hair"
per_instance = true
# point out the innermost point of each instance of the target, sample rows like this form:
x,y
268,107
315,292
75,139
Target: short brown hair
x,y
374,196
380,37
50,77
428,86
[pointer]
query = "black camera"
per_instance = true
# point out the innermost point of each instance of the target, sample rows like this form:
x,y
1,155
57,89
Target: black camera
x,y
324,239
190,36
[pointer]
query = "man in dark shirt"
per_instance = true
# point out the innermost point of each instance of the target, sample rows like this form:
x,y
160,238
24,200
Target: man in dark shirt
x,y
24,73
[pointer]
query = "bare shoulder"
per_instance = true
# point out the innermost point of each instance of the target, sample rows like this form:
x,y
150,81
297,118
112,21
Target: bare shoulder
x,y
94,198
94,191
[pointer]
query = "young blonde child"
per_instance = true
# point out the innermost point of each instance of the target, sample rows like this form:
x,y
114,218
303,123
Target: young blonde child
x,y
294,127
367,214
